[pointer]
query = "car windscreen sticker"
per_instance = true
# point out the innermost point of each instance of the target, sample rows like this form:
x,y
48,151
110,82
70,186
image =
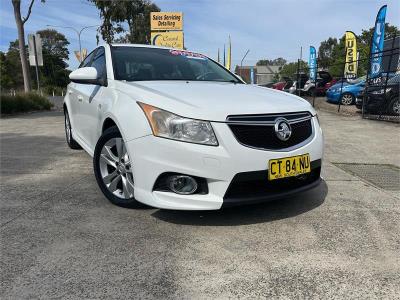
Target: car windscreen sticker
x,y
187,54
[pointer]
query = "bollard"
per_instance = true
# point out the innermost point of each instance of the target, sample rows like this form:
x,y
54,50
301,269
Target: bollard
x,y
53,93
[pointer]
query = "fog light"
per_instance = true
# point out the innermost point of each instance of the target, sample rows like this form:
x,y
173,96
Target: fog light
x,y
182,184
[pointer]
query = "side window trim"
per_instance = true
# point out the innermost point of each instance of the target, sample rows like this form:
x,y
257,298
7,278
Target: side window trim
x,y
91,58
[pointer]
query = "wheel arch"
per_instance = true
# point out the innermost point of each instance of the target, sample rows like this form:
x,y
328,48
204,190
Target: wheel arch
x,y
108,123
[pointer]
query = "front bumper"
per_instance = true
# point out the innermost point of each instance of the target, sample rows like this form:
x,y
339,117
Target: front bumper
x,y
153,156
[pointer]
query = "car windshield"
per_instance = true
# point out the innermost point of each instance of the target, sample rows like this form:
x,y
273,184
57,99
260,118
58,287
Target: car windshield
x,y
146,64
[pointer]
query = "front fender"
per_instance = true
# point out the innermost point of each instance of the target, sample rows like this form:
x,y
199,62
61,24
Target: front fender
x,y
128,116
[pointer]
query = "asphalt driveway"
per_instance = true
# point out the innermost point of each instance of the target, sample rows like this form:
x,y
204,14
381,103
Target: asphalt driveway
x,y
60,238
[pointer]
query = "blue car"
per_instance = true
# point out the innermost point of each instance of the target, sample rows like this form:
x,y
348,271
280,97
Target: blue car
x,y
347,93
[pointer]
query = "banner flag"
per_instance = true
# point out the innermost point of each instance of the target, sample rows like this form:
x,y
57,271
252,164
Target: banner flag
x,y
224,56
228,60
350,67
377,42
312,62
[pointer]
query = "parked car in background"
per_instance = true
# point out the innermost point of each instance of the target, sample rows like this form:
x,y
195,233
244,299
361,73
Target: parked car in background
x,y
323,79
379,100
301,80
346,92
286,83
169,128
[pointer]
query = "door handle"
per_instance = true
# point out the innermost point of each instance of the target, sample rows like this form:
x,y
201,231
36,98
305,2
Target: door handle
x,y
80,98
70,92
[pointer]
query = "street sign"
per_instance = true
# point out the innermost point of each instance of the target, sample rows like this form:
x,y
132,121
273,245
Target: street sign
x,y
166,21
172,39
35,40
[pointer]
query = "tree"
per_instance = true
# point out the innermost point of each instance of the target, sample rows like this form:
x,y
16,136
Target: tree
x,y
290,69
117,14
11,72
275,62
325,52
20,22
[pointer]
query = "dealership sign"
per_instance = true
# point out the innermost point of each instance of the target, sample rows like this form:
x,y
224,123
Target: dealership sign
x,y
166,21
171,39
167,29
377,42
350,68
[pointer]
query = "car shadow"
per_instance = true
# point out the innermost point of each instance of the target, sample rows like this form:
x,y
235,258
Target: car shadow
x,y
250,214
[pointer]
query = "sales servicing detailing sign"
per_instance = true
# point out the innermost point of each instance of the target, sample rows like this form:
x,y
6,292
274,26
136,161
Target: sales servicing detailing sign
x,y
167,29
166,21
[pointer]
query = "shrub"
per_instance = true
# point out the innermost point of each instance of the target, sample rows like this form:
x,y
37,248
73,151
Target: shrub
x,y
23,102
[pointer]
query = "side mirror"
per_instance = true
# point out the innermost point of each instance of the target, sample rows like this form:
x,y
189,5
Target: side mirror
x,y
86,75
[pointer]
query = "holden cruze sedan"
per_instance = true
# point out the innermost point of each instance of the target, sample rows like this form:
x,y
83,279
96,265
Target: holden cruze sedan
x,y
174,129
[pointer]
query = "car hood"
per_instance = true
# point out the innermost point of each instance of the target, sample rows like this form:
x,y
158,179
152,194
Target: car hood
x,y
212,101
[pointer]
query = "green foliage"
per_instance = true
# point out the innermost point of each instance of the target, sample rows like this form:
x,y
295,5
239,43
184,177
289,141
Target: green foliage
x,y
54,71
23,102
117,14
290,69
325,52
273,62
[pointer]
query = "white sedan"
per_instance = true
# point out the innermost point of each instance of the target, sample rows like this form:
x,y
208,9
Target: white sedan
x,y
174,129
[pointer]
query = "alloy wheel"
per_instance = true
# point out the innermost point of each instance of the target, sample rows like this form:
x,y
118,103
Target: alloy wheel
x,y
347,99
116,168
396,107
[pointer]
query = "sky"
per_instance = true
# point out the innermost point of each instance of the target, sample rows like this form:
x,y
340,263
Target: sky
x,y
268,28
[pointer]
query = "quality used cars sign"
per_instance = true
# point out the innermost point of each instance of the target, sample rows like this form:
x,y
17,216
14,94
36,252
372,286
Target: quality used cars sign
x,y
166,21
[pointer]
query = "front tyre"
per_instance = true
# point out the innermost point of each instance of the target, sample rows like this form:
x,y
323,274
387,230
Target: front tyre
x,y
113,169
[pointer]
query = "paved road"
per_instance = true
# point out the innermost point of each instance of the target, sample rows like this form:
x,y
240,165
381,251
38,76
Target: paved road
x,y
60,238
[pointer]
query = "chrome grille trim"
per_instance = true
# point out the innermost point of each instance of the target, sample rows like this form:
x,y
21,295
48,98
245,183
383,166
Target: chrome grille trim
x,y
290,117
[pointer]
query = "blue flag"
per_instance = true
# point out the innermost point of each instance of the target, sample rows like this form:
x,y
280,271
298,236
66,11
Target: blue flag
x,y
377,42
312,62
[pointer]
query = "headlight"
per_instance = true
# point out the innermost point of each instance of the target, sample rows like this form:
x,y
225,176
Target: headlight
x,y
168,125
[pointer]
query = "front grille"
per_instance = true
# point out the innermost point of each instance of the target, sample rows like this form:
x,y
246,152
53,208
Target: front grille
x,y
257,131
251,187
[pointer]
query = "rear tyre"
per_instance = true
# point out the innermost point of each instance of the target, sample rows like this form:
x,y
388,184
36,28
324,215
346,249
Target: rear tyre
x,y
68,133
113,169
394,106
347,99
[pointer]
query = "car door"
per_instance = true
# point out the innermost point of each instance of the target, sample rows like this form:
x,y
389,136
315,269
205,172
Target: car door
x,y
75,107
93,97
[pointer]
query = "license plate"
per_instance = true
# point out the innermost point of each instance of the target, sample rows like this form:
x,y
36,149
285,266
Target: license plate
x,y
289,166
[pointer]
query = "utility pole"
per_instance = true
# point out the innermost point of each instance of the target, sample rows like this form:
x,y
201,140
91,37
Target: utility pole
x,y
36,62
241,62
